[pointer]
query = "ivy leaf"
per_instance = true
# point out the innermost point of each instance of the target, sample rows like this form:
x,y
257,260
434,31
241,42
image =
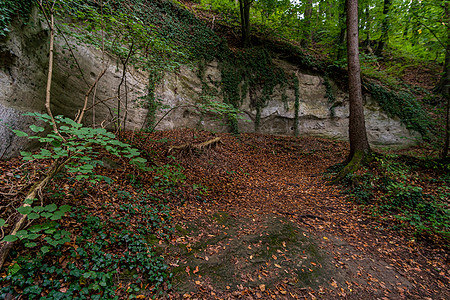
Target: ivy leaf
x,y
2,222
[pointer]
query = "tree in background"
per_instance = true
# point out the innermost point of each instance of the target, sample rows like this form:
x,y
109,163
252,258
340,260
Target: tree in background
x,y
359,145
244,8
384,27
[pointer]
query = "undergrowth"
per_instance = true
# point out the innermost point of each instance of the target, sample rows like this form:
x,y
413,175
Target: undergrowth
x,y
392,187
108,254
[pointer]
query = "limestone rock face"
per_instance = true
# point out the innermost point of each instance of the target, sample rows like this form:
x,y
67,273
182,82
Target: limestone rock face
x,y
23,77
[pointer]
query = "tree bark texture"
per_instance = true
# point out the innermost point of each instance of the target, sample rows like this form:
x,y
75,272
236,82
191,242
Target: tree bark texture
x,y
359,145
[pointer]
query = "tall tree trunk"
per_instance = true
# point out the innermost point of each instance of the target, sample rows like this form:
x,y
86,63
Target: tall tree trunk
x,y
342,26
384,27
359,145
244,7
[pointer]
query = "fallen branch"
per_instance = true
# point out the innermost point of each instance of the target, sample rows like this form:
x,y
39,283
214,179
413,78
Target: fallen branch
x,y
31,195
190,146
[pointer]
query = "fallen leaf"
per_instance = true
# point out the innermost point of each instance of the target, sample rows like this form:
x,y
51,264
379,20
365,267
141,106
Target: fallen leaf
x,y
262,287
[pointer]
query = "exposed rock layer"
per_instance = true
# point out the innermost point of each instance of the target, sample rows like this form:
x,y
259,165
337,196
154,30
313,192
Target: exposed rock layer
x,y
23,75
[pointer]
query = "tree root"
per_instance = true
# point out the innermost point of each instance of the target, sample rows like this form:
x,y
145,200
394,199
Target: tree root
x,y
192,147
358,159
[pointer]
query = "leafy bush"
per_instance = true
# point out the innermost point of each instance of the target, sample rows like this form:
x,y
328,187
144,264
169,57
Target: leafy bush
x,y
388,189
103,252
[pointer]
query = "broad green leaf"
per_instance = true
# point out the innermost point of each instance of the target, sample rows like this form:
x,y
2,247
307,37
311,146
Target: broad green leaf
x,y
36,228
36,128
22,234
51,207
65,208
33,216
24,210
10,238
2,222
45,249
20,133
28,201
57,215
30,244
46,215
33,236
13,269
38,209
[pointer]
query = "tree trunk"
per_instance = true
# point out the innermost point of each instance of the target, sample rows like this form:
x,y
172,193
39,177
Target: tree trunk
x,y
384,28
359,145
341,40
244,7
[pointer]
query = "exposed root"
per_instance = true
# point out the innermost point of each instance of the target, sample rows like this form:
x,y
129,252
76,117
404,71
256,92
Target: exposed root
x,y
189,147
358,159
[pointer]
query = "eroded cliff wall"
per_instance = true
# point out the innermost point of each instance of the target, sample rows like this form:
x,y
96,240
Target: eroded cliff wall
x,y
23,76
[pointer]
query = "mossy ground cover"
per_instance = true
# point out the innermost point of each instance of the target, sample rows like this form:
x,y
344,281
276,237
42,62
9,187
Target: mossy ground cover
x,y
229,252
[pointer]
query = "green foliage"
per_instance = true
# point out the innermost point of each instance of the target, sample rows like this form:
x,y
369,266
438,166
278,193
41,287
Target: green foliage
x,y
403,105
389,190
11,9
71,147
76,142
91,266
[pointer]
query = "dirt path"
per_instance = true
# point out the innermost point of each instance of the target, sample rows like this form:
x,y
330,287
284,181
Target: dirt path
x,y
271,228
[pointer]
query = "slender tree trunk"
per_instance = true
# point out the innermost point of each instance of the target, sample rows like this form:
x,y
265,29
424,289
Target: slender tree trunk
x,y
359,145
342,25
244,7
384,27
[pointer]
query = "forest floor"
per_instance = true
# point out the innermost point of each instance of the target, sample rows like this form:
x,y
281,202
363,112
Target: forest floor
x,y
258,220
270,226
